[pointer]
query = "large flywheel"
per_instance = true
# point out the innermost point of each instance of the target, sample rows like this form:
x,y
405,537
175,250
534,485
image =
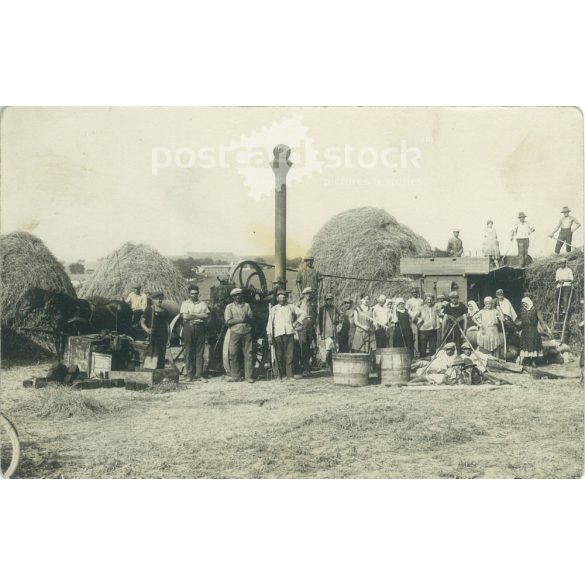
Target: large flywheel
x,y
250,275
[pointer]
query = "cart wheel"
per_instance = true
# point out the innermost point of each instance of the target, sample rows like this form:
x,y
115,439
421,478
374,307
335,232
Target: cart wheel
x,y
9,448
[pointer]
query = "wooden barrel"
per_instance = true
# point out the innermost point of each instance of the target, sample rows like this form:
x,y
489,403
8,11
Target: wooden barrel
x,y
395,366
351,369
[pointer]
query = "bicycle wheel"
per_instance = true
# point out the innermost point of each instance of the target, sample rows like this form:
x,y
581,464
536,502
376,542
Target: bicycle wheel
x,y
9,448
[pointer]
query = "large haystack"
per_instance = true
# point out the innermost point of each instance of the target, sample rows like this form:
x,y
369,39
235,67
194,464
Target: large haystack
x,y
27,264
130,265
540,281
366,243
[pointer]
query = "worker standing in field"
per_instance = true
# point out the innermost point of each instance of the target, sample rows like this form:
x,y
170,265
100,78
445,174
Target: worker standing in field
x,y
381,318
413,306
329,319
522,233
347,329
308,276
280,328
154,321
308,333
566,226
239,318
428,323
195,315
138,303
455,245
454,320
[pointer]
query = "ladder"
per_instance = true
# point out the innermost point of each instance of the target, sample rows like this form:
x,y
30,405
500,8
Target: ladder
x,y
560,323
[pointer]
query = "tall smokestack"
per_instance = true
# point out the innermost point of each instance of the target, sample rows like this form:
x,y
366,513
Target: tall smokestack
x,y
280,165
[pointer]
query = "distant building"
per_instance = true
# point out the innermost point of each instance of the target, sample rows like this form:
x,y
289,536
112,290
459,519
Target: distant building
x,y
214,269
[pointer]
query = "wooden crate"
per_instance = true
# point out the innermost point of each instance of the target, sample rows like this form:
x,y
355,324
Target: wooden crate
x,y
80,349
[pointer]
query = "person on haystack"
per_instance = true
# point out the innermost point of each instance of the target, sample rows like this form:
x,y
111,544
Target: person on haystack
x,y
566,226
564,284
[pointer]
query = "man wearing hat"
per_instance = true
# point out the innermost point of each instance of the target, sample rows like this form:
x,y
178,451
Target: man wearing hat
x,y
307,276
307,334
138,303
522,233
566,226
280,328
195,315
564,283
347,329
413,305
455,245
238,318
454,316
329,318
439,370
154,321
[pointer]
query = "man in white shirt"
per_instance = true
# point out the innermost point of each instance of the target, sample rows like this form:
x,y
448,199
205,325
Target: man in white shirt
x,y
281,326
564,282
195,314
522,233
413,305
239,318
428,323
138,303
381,316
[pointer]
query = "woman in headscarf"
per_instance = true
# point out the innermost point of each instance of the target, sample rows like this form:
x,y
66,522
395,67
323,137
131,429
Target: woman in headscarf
x,y
488,339
471,322
402,326
362,316
530,341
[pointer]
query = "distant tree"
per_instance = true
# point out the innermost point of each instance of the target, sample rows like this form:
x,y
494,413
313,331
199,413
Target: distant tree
x,y
294,262
77,268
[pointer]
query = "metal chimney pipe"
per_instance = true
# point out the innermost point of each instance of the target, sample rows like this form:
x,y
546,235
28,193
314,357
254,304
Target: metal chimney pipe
x,y
280,165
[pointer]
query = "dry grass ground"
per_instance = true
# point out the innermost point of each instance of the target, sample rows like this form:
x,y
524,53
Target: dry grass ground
x,y
304,429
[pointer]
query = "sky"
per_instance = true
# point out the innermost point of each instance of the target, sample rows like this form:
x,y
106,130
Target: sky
x,y
86,180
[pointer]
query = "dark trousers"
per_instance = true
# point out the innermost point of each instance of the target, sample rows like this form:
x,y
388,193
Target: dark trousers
x,y
158,347
306,336
565,292
240,342
565,235
522,250
284,346
136,316
343,343
427,340
381,338
194,342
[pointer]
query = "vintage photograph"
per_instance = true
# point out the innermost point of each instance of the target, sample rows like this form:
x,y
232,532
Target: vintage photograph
x,y
281,292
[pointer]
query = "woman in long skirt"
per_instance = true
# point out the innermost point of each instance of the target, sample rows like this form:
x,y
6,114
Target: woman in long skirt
x,y
362,316
491,246
530,340
402,326
488,338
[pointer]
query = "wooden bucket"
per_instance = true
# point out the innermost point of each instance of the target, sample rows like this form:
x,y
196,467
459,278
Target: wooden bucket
x,y
395,366
351,369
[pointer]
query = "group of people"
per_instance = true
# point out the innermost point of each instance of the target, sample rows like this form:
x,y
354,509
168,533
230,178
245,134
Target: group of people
x,y
562,233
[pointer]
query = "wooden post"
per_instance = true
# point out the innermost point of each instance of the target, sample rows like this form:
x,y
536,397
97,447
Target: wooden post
x,y
280,165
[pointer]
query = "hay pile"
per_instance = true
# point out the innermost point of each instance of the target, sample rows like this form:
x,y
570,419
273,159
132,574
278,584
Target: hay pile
x,y
367,243
130,265
27,264
540,281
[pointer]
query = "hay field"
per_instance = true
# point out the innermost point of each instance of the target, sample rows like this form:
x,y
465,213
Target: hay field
x,y
301,429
